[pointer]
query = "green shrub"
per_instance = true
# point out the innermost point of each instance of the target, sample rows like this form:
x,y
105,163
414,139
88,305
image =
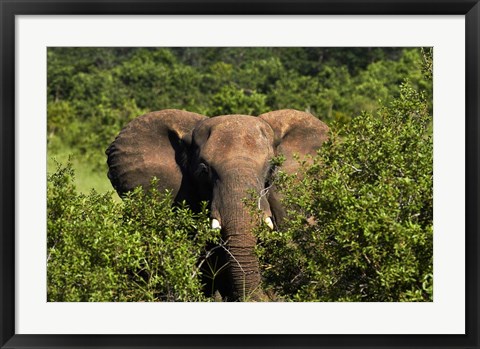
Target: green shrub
x,y
141,249
359,224
232,100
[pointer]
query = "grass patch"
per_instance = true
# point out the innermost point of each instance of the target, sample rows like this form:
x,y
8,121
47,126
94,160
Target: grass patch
x,y
87,176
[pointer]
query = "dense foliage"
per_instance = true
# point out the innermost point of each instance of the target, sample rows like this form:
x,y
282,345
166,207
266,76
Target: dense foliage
x,y
359,224
94,92
140,250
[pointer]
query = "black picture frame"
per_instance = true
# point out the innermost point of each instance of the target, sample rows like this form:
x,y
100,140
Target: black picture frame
x,y
10,8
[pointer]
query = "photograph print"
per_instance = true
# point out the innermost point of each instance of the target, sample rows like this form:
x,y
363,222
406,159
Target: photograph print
x,y
240,174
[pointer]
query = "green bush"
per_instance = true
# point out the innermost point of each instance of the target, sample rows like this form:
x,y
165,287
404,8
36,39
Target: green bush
x,y
141,249
360,221
231,100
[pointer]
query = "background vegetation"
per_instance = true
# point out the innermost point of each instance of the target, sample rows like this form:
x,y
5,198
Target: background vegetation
x,y
369,191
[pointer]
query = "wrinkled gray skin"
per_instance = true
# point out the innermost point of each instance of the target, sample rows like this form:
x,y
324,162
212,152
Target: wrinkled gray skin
x,y
221,160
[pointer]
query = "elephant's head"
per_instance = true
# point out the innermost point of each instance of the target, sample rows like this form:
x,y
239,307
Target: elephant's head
x,y
223,160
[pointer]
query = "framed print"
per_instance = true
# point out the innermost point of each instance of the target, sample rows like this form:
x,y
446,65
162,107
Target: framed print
x,y
263,174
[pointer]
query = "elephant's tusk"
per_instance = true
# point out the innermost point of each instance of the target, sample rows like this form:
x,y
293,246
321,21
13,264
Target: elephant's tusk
x,y
269,222
216,224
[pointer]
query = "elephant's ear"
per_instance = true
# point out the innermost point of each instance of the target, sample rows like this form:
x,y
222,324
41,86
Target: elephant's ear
x,y
296,132
153,145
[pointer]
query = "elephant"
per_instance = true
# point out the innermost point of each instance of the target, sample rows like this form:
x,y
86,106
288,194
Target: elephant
x,y
221,160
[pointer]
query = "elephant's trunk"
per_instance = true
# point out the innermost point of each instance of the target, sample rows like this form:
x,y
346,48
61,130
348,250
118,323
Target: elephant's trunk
x,y
237,224
243,263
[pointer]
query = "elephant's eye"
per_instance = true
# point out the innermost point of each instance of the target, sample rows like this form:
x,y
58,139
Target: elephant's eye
x,y
202,168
